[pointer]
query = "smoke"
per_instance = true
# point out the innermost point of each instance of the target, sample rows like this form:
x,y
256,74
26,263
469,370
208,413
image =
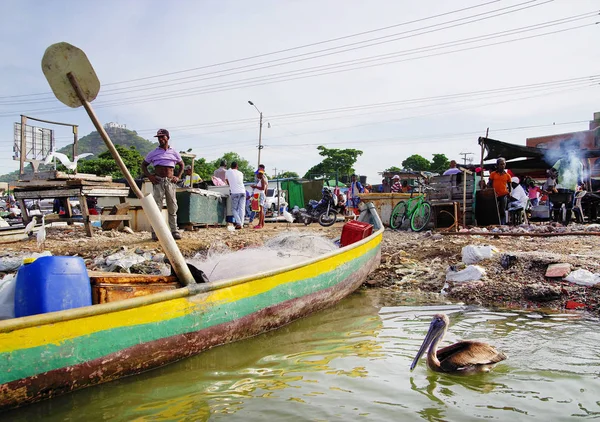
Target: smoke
x,y
569,153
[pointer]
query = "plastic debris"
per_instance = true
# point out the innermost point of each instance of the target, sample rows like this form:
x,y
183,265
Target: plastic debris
x,y
7,296
583,278
472,254
471,273
10,263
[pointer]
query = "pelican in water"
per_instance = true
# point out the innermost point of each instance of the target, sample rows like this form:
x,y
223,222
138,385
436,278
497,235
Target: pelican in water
x,y
464,357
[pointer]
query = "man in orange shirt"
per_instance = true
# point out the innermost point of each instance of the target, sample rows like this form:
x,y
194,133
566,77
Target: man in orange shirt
x,y
500,181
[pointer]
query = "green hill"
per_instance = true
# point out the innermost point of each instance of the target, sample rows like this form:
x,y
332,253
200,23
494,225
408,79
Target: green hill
x,y
93,143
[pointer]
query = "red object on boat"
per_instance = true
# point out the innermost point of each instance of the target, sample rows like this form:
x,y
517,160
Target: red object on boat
x,y
353,231
571,304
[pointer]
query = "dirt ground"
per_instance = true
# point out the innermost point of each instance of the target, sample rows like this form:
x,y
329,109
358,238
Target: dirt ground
x,y
412,263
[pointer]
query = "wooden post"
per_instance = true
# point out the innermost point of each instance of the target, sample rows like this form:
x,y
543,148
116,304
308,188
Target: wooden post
x,y
23,145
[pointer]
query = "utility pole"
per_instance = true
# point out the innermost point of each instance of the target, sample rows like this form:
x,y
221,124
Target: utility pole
x,y
260,124
260,140
464,154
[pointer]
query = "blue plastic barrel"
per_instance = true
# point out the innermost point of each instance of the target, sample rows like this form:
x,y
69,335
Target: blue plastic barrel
x,y
52,283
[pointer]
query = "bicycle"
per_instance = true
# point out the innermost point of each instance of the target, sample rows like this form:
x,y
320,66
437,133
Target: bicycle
x,y
416,210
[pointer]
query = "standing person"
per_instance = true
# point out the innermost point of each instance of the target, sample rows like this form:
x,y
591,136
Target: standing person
x,y
453,169
190,178
260,188
500,180
164,180
534,193
235,180
396,186
355,189
220,172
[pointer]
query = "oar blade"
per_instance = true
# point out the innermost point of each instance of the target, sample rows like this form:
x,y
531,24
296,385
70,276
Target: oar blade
x,y
63,58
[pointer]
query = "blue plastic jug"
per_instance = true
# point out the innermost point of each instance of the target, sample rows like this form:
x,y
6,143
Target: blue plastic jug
x,y
52,283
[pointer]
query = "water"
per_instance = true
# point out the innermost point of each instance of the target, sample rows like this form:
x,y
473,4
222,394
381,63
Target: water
x,y
351,362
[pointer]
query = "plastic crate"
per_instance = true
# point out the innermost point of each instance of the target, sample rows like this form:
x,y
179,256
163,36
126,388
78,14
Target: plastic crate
x,y
353,231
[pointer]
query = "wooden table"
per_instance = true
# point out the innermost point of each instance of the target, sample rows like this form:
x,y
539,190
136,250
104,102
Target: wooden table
x,y
64,189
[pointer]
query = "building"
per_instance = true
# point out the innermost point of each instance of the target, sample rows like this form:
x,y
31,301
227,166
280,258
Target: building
x,y
112,125
587,140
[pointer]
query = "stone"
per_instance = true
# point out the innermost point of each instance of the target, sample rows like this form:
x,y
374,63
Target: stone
x,y
558,270
541,292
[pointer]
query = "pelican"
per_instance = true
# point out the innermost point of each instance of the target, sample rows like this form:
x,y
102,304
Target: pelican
x,y
71,165
463,357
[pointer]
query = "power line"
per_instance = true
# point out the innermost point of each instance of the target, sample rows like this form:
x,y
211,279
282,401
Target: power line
x,y
154,97
244,69
283,50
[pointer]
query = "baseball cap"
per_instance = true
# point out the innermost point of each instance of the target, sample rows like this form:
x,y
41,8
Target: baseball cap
x,y
162,132
396,176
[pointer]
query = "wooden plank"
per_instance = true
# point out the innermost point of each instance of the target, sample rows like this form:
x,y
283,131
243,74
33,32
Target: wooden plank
x,y
45,193
85,213
126,278
119,209
55,174
82,182
40,183
109,217
104,191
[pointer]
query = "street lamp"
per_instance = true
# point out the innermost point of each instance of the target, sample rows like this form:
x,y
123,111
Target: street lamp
x,y
259,132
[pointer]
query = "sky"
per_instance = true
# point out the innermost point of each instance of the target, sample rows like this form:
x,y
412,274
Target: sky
x,y
390,78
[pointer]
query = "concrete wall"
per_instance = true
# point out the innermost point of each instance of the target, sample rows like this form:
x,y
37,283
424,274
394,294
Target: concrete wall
x,y
384,203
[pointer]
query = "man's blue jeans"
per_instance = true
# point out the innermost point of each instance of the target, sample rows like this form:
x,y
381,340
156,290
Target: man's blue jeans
x,y
238,207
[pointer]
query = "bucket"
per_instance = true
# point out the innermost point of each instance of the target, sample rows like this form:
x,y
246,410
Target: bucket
x,y
52,283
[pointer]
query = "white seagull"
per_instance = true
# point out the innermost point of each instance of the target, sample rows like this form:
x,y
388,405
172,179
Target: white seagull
x,y
71,165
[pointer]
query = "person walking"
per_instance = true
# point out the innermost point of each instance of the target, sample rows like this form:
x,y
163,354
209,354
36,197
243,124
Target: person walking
x,y
235,179
164,180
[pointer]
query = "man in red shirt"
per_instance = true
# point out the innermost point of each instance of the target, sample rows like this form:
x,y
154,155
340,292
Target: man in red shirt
x,y
500,181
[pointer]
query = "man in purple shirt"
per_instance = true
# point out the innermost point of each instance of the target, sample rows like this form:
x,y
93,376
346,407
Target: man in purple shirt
x,y
164,159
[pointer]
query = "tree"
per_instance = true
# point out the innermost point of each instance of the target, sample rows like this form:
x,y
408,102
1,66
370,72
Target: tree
x,y
393,169
440,163
288,175
416,163
243,164
105,165
204,169
337,161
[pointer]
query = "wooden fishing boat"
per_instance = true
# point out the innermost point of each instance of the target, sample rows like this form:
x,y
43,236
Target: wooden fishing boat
x,y
43,356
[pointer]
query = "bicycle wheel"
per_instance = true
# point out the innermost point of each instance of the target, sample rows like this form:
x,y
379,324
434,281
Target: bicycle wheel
x,y
397,216
420,218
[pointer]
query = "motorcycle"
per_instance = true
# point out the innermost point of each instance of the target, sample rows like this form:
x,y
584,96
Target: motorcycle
x,y
324,211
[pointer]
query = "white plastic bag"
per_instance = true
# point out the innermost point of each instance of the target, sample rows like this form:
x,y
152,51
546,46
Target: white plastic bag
x,y
472,254
7,296
583,278
471,273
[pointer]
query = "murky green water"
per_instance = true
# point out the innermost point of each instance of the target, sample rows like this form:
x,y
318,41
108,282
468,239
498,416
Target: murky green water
x,y
351,362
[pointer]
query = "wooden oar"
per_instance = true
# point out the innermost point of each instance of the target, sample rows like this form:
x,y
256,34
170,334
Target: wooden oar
x,y
74,83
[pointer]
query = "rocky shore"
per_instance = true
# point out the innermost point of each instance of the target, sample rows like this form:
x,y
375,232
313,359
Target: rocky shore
x,y
515,275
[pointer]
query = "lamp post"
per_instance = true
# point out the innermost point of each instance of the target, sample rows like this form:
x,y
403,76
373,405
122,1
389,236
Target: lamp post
x,y
259,132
